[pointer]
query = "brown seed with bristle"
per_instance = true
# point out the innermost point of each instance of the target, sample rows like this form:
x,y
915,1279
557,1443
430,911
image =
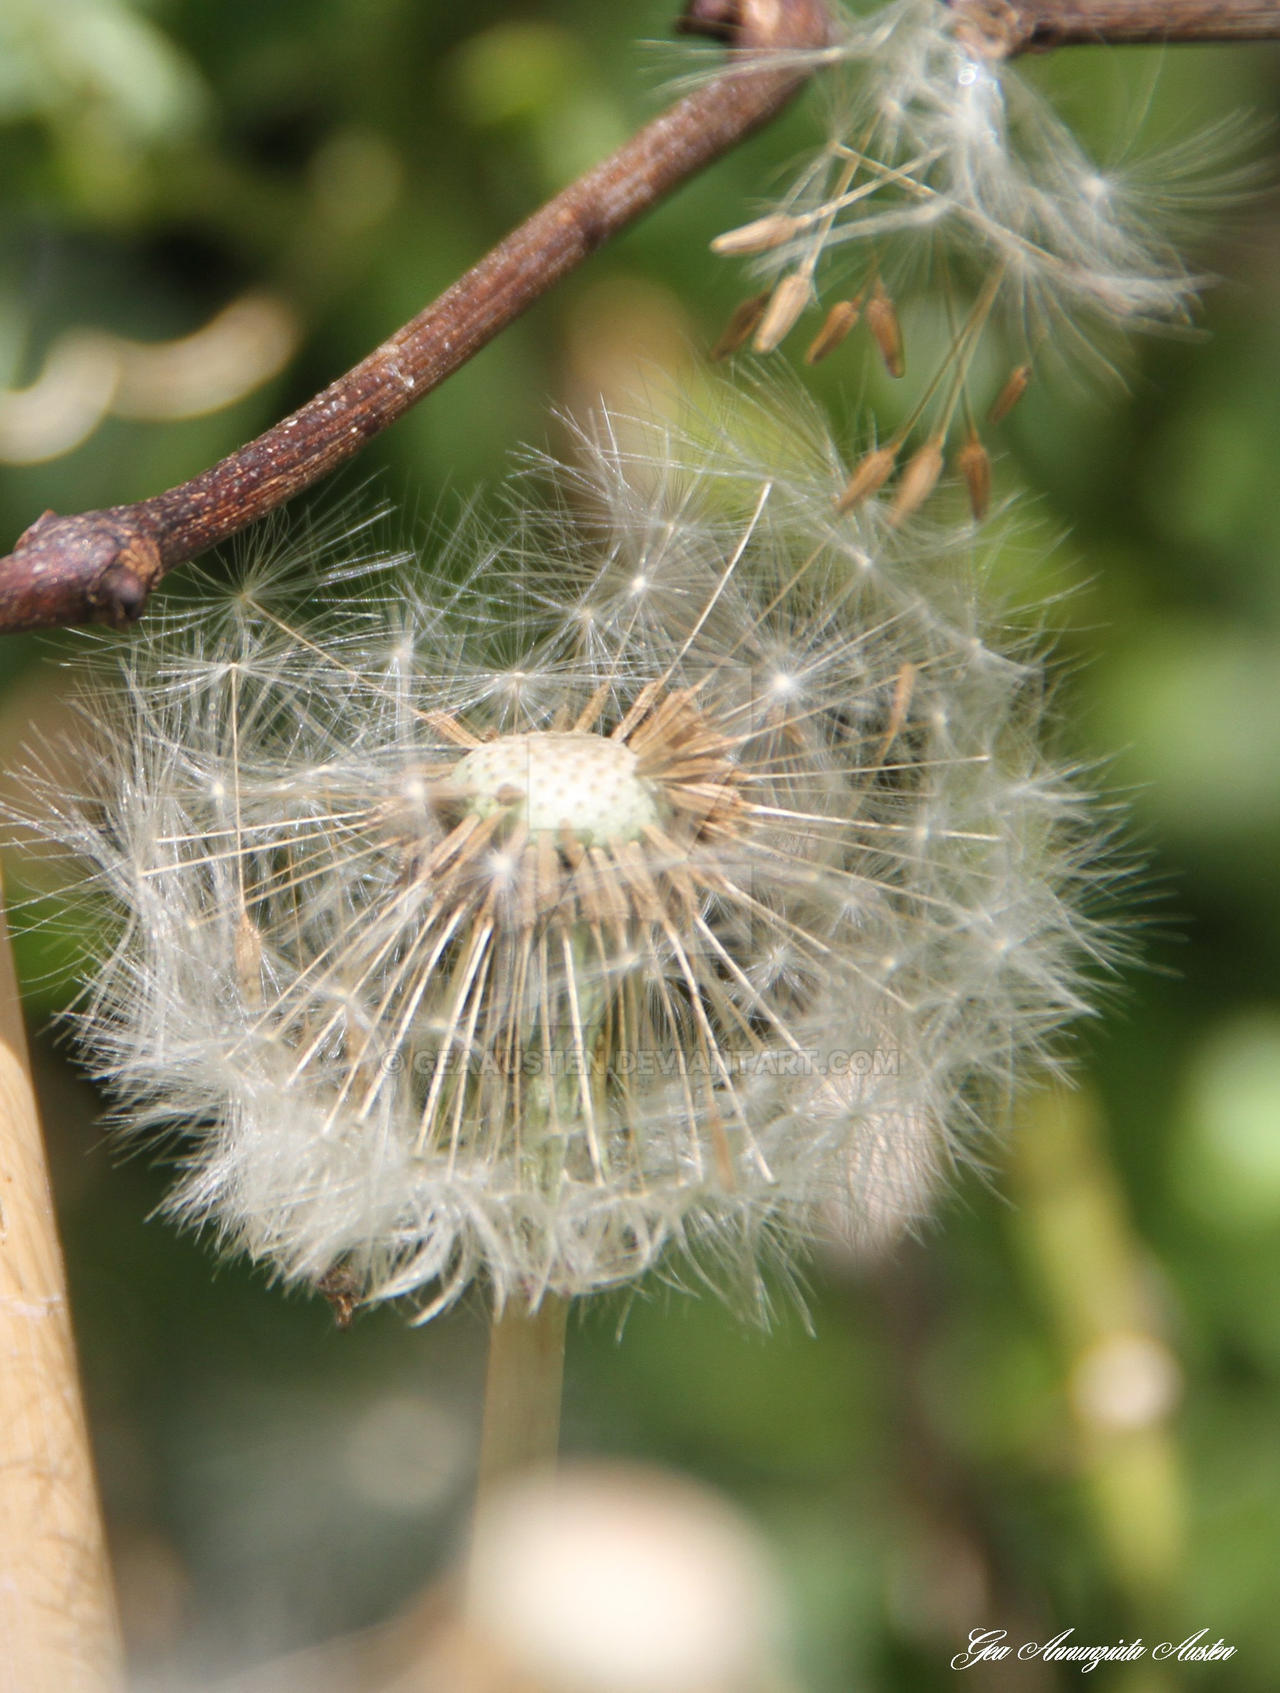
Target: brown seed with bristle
x,y
248,956
788,300
974,464
1015,387
840,320
882,321
870,474
919,480
759,237
741,325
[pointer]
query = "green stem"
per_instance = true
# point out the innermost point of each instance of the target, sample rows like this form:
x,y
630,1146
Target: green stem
x,y
520,1434
1078,1238
521,1429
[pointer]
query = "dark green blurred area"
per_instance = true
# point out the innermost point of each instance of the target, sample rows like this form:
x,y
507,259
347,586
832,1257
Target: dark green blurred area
x,y
925,1461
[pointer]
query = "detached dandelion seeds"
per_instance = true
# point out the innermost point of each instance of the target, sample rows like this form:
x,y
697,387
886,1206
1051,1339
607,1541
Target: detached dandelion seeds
x,y
944,171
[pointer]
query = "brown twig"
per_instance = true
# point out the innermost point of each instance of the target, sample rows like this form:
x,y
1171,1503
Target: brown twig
x,y
1005,28
100,566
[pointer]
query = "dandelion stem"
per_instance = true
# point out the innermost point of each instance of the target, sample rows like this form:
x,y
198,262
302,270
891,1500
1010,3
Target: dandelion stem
x,y
521,1429
1120,1375
58,1625
520,1434
101,566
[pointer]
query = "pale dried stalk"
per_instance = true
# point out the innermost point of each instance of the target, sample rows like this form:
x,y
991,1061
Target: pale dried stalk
x,y
58,1628
522,1391
521,1430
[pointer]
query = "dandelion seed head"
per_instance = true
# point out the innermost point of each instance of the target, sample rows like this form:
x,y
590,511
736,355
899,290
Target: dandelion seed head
x,y
727,927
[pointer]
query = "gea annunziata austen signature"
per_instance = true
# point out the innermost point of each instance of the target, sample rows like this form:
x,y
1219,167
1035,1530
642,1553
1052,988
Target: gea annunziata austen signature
x,y
992,1645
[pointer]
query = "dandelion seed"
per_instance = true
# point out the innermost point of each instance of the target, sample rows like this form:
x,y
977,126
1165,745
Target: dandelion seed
x,y
842,317
870,474
974,464
918,481
789,299
758,237
741,325
882,321
1015,386
684,876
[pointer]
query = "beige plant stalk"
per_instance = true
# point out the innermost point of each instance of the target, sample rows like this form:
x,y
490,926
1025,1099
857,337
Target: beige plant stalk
x,y
58,1629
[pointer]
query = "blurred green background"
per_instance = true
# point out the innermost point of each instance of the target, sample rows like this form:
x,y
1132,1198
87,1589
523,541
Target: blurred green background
x,y
1062,1408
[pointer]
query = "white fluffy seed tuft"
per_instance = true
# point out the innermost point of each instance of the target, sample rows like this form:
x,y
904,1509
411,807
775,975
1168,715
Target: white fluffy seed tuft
x,y
680,881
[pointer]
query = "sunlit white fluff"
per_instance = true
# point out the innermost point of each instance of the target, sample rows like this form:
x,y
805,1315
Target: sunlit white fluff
x,y
427,998
938,150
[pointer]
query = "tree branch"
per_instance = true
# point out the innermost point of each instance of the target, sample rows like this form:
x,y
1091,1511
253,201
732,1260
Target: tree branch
x,y
101,566
1005,28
